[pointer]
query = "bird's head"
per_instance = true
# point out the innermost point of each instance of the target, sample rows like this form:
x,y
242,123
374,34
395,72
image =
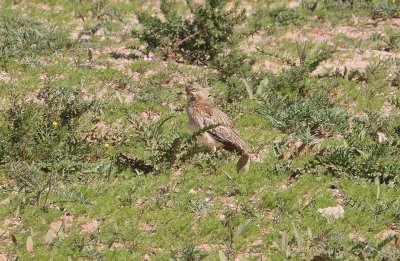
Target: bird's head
x,y
196,92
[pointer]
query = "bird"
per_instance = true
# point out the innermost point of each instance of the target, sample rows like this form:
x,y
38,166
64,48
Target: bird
x,y
202,113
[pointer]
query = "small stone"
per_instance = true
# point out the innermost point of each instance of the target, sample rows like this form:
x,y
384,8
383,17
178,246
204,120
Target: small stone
x,y
334,212
169,203
380,137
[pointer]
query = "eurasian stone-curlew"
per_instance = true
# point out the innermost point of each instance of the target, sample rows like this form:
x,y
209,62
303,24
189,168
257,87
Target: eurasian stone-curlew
x,y
202,113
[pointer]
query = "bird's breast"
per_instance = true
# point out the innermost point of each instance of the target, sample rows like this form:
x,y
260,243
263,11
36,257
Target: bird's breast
x,y
194,123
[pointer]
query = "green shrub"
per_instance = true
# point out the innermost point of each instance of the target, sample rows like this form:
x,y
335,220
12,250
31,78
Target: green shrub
x,y
357,151
295,107
198,39
391,40
386,9
43,142
16,129
271,17
232,67
235,63
361,153
105,16
354,149
304,114
20,37
35,130
295,79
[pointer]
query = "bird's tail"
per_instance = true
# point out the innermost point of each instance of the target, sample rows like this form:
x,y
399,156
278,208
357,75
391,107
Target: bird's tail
x,y
243,163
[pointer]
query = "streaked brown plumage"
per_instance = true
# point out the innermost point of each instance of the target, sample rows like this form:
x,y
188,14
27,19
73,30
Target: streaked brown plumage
x,y
201,114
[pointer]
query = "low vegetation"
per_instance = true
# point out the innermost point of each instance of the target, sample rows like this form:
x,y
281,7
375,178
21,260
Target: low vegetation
x,y
97,161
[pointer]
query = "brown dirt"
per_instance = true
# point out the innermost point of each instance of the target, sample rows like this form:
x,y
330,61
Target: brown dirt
x,y
6,227
360,28
261,153
296,36
78,29
338,195
392,22
5,77
357,236
11,223
269,64
352,60
141,202
256,40
90,226
90,95
229,202
55,227
390,232
150,116
5,256
294,4
41,6
206,247
357,28
147,227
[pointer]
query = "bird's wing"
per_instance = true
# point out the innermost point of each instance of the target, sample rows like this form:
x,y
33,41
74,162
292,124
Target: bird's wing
x,y
225,132
204,115
229,137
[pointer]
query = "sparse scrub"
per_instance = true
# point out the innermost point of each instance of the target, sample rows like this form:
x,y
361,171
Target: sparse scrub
x,y
165,148
22,37
48,125
233,67
363,153
97,160
197,40
384,9
46,138
313,114
310,114
391,40
271,17
106,18
295,79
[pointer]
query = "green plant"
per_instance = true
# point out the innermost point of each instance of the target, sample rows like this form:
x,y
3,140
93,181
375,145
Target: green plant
x,y
393,77
190,253
391,40
46,138
295,79
196,40
313,114
99,14
165,147
20,37
361,154
118,179
273,16
386,8
232,67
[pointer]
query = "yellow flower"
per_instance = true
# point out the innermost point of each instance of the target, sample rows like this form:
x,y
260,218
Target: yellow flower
x,y
55,123
106,145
